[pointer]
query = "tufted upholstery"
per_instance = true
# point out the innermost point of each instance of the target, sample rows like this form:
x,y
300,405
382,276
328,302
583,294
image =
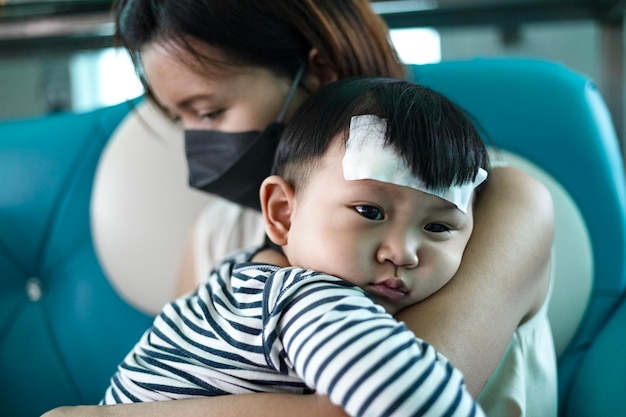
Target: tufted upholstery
x,y
63,329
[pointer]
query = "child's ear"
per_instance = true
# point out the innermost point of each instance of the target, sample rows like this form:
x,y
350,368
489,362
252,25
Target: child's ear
x,y
277,204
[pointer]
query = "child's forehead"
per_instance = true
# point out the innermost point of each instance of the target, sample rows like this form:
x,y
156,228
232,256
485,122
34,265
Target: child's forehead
x,y
331,167
367,155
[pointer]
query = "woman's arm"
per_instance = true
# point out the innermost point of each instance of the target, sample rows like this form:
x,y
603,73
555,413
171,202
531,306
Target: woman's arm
x,y
258,405
503,279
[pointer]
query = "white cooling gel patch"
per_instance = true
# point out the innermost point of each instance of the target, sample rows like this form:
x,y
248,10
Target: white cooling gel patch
x,y
367,157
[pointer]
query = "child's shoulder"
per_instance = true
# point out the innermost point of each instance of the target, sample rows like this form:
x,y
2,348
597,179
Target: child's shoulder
x,y
238,257
293,280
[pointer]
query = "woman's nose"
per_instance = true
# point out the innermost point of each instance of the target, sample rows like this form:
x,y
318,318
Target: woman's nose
x,y
400,251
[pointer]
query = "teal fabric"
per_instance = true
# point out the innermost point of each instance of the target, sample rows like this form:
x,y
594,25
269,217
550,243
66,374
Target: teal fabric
x,y
62,347
555,118
599,384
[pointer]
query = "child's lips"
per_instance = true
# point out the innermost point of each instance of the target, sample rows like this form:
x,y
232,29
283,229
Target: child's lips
x,y
392,288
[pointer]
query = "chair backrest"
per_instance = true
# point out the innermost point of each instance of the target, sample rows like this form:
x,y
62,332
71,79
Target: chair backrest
x,y
597,386
140,194
63,330
553,122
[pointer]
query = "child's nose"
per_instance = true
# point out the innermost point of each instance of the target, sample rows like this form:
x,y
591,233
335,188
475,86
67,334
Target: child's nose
x,y
400,251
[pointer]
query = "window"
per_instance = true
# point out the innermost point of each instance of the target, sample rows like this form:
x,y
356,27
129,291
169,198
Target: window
x,y
102,78
417,45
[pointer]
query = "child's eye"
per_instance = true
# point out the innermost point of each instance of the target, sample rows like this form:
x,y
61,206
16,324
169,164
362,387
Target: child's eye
x,y
436,228
370,212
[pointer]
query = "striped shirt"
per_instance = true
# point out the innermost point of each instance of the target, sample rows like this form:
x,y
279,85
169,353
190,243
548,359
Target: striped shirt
x,y
260,328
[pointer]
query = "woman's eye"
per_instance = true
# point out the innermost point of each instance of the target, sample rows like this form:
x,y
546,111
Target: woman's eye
x,y
370,212
436,228
210,115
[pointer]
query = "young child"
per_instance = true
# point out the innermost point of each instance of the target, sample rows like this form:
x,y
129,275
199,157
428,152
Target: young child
x,y
370,211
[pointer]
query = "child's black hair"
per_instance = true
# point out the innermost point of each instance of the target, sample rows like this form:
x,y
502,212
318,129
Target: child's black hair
x,y
434,136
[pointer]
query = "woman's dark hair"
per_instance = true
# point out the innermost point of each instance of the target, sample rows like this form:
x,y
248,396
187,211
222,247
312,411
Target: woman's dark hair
x,y
275,34
435,137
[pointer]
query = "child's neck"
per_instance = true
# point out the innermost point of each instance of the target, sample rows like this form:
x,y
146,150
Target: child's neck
x,y
271,256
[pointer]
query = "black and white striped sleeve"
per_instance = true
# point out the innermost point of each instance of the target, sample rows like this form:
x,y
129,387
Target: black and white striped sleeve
x,y
345,346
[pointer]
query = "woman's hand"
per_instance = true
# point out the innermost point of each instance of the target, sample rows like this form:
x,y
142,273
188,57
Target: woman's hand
x,y
503,279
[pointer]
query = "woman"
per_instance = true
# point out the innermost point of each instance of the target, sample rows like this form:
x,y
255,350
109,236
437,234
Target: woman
x,y
232,72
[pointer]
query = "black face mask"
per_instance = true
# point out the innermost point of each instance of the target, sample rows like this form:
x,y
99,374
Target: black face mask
x,y
233,165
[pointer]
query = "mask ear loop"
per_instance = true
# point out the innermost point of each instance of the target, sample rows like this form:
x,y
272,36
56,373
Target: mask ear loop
x,y
292,92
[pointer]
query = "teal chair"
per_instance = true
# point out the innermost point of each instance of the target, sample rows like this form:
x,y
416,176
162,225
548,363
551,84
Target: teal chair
x,y
552,122
64,329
